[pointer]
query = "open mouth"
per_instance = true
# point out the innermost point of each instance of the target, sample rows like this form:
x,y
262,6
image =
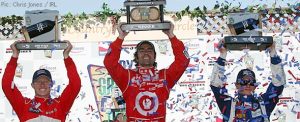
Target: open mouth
x,y
247,89
42,90
146,57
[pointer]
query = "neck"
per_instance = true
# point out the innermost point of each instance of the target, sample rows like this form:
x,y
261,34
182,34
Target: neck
x,y
44,97
145,67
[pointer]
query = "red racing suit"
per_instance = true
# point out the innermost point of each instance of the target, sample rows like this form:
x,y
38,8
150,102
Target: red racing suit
x,y
146,90
41,109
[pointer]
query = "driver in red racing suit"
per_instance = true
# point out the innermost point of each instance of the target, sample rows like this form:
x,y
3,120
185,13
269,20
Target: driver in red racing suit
x,y
146,89
42,108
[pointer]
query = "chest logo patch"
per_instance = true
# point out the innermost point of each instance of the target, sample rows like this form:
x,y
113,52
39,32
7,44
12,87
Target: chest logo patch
x,y
146,103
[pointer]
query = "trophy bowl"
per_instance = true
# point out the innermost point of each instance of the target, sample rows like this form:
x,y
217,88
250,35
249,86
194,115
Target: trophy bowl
x,y
145,14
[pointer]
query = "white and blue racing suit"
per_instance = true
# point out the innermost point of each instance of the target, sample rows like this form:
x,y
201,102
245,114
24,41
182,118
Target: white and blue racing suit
x,y
247,108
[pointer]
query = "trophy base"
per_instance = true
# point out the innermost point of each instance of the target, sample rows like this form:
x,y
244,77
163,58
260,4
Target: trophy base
x,y
249,42
41,45
146,26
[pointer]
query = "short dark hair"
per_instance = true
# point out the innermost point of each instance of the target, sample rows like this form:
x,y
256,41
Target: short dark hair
x,y
138,48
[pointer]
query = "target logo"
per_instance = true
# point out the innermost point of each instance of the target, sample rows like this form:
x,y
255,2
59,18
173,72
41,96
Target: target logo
x,y
146,103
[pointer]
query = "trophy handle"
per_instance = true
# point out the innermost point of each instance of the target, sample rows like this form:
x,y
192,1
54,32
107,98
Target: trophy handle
x,y
128,14
161,12
260,23
231,29
56,29
25,34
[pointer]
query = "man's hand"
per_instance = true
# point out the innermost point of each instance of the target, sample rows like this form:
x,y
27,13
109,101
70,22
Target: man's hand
x,y
222,49
13,47
272,50
68,49
122,34
169,32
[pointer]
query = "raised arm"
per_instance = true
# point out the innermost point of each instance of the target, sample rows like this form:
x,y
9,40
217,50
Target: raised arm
x,y
275,88
177,68
71,91
10,90
278,75
217,82
218,78
111,62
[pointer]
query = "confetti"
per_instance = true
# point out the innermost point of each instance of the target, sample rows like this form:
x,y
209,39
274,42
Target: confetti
x,y
58,88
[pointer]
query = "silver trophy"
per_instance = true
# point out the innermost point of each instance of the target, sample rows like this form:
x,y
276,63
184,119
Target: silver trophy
x,y
143,15
246,32
41,34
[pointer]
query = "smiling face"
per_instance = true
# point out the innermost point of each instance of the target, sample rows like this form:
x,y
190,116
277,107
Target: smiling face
x,y
246,87
42,86
146,55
